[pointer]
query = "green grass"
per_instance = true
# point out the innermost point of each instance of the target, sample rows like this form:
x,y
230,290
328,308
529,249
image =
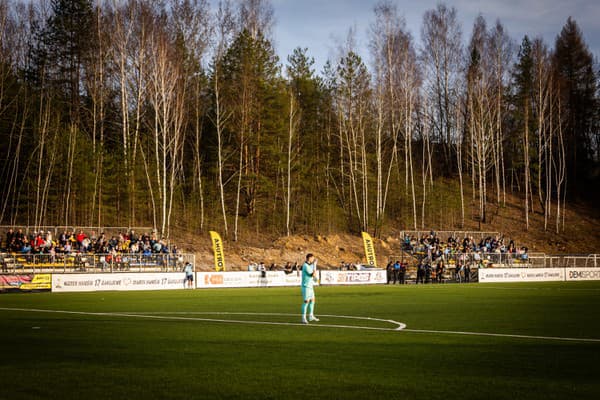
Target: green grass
x,y
75,356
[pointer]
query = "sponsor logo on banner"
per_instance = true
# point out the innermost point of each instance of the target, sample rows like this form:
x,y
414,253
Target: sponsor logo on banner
x,y
213,279
582,274
117,281
25,282
217,243
496,275
246,279
369,249
352,277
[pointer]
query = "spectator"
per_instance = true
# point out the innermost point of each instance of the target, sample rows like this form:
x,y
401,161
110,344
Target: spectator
x,y
427,273
396,271
439,271
10,235
402,274
80,236
420,272
467,273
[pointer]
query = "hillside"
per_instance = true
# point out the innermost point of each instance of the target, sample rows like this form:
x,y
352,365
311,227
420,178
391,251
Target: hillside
x,y
581,236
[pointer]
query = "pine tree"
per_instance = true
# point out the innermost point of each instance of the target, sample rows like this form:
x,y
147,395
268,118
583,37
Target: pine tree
x,y
255,95
574,68
69,40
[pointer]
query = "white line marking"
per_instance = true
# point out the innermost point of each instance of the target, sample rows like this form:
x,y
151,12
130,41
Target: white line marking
x,y
400,327
536,288
506,335
231,321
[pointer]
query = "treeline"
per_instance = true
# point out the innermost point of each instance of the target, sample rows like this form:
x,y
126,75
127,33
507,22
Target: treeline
x,y
176,114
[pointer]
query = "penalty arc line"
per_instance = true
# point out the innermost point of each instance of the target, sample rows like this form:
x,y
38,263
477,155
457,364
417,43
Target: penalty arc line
x,y
401,327
230,321
391,321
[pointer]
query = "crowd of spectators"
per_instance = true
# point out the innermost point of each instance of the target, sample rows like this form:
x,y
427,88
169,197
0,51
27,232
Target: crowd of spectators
x,y
464,250
79,242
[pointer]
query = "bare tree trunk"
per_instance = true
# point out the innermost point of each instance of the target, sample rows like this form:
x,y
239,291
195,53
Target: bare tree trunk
x,y
459,163
560,172
239,183
408,138
73,129
526,157
291,131
220,121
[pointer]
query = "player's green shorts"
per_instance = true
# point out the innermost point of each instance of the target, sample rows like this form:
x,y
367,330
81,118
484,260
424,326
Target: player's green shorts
x,y
308,293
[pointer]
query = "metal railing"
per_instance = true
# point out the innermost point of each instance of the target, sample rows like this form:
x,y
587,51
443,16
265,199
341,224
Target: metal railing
x,y
476,259
568,260
533,260
88,262
58,229
444,235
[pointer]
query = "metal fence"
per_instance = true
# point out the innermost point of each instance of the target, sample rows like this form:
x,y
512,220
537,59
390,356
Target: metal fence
x,y
444,235
64,263
531,260
474,259
57,230
567,261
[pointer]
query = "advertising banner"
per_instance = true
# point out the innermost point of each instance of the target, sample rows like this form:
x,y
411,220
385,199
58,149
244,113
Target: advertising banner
x,y
217,244
25,282
117,281
582,274
353,277
246,279
369,249
496,275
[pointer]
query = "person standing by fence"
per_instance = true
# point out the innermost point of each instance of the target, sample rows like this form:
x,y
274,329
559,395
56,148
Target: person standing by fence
x,y
189,276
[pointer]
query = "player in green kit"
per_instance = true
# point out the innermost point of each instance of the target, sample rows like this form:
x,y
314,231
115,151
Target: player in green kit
x,y
309,276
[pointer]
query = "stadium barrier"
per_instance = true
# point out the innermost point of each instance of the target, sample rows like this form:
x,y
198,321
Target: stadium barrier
x,y
566,274
280,278
96,263
353,277
124,281
238,279
127,281
25,282
495,275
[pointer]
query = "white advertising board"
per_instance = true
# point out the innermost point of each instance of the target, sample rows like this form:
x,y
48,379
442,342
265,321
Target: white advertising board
x,y
117,281
582,274
246,279
352,277
496,275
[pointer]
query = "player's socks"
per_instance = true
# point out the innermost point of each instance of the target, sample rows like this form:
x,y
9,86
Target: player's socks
x,y
311,311
304,307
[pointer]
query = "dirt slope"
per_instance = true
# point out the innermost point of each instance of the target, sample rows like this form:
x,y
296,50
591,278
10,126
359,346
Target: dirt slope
x,y
580,236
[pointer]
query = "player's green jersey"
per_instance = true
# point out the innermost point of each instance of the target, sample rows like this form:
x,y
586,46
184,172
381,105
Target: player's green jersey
x,y
307,275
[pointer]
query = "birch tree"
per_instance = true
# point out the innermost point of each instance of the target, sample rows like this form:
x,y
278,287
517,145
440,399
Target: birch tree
x,y
224,28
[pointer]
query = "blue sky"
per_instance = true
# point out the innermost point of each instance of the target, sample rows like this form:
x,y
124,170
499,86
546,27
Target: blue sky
x,y
321,25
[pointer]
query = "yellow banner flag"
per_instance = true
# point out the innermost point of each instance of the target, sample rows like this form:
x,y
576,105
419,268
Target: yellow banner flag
x,y
217,244
369,249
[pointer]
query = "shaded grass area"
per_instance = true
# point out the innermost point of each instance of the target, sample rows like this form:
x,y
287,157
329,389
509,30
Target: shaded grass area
x,y
96,357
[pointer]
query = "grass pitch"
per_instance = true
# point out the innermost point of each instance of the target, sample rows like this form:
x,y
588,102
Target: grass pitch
x,y
166,347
